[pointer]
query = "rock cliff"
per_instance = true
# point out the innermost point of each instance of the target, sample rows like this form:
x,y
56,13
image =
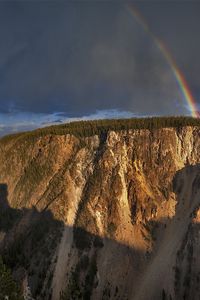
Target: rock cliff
x,y
111,216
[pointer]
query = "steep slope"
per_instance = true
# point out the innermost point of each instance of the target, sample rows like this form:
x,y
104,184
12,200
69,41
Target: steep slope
x,y
113,214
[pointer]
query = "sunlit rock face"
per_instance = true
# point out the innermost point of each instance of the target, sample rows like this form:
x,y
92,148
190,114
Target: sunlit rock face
x,y
103,217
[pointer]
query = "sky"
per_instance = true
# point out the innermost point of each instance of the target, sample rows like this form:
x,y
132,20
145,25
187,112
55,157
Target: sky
x,y
70,60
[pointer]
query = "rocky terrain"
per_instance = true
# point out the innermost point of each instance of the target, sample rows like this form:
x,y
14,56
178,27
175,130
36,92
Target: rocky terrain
x,y
102,216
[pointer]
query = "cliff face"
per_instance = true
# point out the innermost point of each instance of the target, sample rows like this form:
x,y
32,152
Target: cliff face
x,y
114,216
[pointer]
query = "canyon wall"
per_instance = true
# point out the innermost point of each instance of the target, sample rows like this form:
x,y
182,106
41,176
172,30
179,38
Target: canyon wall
x,y
111,216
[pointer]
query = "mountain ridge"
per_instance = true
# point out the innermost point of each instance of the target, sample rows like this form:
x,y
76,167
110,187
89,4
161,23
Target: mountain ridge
x,y
92,127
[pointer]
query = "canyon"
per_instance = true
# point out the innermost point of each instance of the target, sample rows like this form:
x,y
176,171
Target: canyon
x,y
102,216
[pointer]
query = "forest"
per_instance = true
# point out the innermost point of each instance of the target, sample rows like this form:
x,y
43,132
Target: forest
x,y
100,127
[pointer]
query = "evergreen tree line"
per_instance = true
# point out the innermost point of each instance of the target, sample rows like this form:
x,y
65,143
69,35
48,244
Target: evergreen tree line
x,y
98,127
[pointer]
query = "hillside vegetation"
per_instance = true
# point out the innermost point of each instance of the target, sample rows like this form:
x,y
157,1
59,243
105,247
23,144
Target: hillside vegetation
x,y
8,287
97,127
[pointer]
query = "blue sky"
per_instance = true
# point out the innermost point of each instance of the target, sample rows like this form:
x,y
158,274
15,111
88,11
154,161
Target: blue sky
x,y
61,61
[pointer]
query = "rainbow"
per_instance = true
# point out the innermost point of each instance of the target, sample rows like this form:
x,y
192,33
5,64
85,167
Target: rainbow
x,y
180,79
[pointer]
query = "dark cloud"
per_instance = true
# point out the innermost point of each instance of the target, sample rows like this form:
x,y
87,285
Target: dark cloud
x,y
80,57
177,23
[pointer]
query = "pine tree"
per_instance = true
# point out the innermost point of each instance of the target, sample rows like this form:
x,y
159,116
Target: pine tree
x,y
8,287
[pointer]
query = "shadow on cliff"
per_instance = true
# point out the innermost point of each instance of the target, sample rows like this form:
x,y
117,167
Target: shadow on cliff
x,y
8,215
28,240
29,243
174,269
31,238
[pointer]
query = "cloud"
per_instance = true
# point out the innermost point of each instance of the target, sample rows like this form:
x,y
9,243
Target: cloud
x,y
80,58
12,123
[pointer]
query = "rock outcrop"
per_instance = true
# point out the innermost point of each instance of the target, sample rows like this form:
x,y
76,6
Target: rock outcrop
x,y
103,217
